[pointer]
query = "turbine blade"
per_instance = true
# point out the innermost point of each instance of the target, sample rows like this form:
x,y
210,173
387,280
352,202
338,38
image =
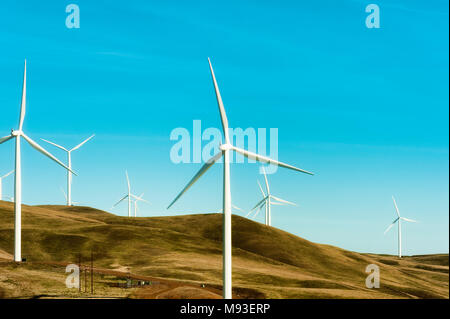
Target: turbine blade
x,y
260,206
128,181
282,200
6,138
264,195
139,198
235,207
54,144
259,209
396,208
259,203
276,203
409,220
267,183
24,96
7,174
223,115
39,148
65,196
390,226
248,213
265,159
120,200
202,171
81,144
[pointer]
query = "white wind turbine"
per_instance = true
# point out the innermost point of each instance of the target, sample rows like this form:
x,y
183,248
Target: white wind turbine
x,y
267,201
398,220
136,200
225,150
130,196
18,134
1,182
69,161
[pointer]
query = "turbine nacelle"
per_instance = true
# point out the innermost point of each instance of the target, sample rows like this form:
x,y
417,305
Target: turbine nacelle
x,y
225,147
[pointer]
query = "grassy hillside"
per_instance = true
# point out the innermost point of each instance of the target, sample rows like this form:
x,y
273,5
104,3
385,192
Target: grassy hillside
x,y
182,253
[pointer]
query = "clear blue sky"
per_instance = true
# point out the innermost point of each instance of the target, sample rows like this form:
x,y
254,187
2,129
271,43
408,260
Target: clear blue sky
x,y
365,109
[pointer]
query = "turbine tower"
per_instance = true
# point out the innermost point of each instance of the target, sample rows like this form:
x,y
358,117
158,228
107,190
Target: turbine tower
x,y
69,161
225,149
267,201
18,134
398,220
1,181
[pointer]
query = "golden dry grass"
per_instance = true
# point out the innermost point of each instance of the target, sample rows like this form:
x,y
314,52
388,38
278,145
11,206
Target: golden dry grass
x,y
184,252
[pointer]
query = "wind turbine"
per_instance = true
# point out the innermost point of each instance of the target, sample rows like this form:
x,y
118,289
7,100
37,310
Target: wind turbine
x,y
129,196
1,180
268,200
262,204
136,200
18,134
69,161
224,151
398,220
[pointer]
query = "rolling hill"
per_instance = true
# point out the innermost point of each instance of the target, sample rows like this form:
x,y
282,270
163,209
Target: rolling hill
x,y
181,257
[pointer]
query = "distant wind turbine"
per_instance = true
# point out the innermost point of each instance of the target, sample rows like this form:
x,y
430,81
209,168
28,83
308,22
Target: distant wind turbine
x,y
130,196
137,199
1,182
69,161
18,134
398,220
225,150
267,201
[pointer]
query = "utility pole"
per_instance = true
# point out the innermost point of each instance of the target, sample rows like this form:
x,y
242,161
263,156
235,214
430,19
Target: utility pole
x,y
79,273
85,279
92,273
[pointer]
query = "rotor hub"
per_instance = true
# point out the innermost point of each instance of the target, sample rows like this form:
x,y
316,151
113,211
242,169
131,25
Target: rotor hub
x,y
225,147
